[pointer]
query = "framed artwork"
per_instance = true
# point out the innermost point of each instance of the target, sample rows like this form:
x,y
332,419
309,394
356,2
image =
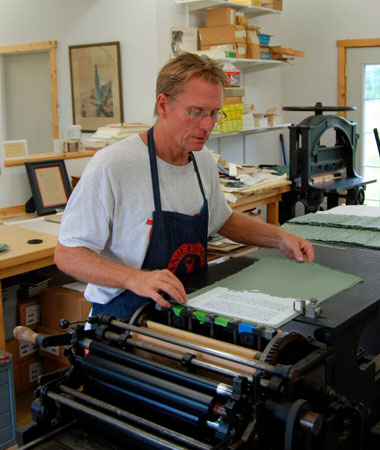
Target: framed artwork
x,y
50,185
15,149
96,85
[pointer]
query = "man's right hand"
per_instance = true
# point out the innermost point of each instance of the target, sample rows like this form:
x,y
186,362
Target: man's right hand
x,y
151,283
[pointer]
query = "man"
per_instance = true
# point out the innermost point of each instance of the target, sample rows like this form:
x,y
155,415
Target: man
x,y
144,208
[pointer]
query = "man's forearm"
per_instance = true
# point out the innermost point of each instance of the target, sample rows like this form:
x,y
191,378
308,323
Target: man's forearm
x,y
248,230
88,266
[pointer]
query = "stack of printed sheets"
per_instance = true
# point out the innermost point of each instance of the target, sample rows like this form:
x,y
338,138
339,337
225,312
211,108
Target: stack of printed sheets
x,y
347,230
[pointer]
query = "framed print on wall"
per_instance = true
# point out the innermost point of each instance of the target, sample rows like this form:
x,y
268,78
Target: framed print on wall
x,y
50,185
96,85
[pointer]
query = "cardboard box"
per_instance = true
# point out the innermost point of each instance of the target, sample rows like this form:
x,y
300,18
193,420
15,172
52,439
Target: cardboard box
x,y
242,20
29,313
239,49
232,100
51,365
21,350
253,51
226,34
59,303
29,372
56,352
272,4
252,37
220,16
233,91
183,39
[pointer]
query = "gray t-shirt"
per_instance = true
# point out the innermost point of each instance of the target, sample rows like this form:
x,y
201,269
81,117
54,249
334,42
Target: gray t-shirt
x,y
110,210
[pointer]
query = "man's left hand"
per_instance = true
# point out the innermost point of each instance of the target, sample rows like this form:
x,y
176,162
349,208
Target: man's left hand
x,y
296,247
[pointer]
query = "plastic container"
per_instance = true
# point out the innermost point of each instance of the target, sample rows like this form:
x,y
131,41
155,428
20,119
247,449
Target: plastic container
x,y
234,119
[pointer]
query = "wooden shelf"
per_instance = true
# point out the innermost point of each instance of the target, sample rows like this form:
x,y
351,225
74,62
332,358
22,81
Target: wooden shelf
x,y
252,131
249,11
47,156
254,64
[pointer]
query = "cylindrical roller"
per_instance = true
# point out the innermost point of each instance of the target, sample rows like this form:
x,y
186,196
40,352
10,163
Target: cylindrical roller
x,y
158,389
203,340
142,438
136,420
189,380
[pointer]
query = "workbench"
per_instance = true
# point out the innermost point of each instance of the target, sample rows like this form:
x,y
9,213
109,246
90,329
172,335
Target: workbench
x,y
22,257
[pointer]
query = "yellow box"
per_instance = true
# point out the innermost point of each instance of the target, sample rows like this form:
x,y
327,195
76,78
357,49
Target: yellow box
x,y
234,119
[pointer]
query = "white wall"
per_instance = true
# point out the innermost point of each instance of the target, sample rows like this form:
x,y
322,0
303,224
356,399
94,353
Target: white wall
x,y
73,22
315,26
142,27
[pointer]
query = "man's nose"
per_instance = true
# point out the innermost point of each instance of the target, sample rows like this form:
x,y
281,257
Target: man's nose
x,y
207,123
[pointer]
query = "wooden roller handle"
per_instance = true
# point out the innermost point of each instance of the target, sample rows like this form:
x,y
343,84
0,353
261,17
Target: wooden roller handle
x,y
25,334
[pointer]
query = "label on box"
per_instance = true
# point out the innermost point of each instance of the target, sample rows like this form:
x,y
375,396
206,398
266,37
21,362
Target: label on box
x,y
53,350
240,34
33,314
35,370
27,348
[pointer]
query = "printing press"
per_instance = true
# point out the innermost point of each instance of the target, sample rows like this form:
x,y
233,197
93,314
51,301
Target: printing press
x,y
322,166
177,379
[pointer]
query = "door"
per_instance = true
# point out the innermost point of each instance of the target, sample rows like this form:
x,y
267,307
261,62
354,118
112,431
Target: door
x,y
363,91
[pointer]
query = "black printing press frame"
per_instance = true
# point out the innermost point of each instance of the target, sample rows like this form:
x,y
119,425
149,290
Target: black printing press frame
x,y
314,384
308,158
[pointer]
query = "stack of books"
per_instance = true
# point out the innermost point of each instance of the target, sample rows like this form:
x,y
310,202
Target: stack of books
x,y
110,134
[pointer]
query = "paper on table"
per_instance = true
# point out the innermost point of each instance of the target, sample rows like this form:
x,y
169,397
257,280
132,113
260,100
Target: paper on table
x,y
76,286
252,306
285,278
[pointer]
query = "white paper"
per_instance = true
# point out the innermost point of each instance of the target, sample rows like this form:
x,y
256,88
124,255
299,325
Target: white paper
x,y
76,286
250,306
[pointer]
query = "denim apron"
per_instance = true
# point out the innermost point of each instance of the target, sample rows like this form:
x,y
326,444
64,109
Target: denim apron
x,y
178,242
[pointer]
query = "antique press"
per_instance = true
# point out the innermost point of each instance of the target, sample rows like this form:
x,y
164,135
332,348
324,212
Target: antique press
x,y
318,171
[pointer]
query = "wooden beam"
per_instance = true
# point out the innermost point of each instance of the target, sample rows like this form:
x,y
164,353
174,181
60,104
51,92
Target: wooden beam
x,y
342,79
27,47
54,92
47,156
354,43
343,45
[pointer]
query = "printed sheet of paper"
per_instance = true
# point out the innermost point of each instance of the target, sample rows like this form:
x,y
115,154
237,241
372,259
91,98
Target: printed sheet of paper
x,y
252,306
268,280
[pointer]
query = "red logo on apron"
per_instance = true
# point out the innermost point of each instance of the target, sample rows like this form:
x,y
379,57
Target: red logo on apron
x,y
188,254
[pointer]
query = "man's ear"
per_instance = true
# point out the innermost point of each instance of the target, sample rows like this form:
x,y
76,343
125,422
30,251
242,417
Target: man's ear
x,y
163,104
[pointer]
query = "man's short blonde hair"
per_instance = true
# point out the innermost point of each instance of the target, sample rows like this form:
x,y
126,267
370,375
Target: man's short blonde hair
x,y
175,74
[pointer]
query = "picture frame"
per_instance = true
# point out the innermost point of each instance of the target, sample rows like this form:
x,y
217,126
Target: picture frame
x,y
96,89
50,185
15,149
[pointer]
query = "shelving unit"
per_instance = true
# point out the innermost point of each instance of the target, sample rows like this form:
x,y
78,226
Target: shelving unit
x,y
248,65
249,11
255,64
244,134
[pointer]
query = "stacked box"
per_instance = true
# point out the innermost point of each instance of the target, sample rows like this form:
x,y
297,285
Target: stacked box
x,y
273,4
233,95
58,303
217,17
225,34
234,119
253,45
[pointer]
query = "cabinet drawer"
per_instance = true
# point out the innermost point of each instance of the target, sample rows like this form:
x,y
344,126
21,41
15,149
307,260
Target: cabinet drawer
x,y
5,422
4,391
4,377
5,405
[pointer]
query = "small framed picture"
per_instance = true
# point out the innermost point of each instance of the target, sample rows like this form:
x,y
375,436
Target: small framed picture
x,y
96,85
50,185
17,149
